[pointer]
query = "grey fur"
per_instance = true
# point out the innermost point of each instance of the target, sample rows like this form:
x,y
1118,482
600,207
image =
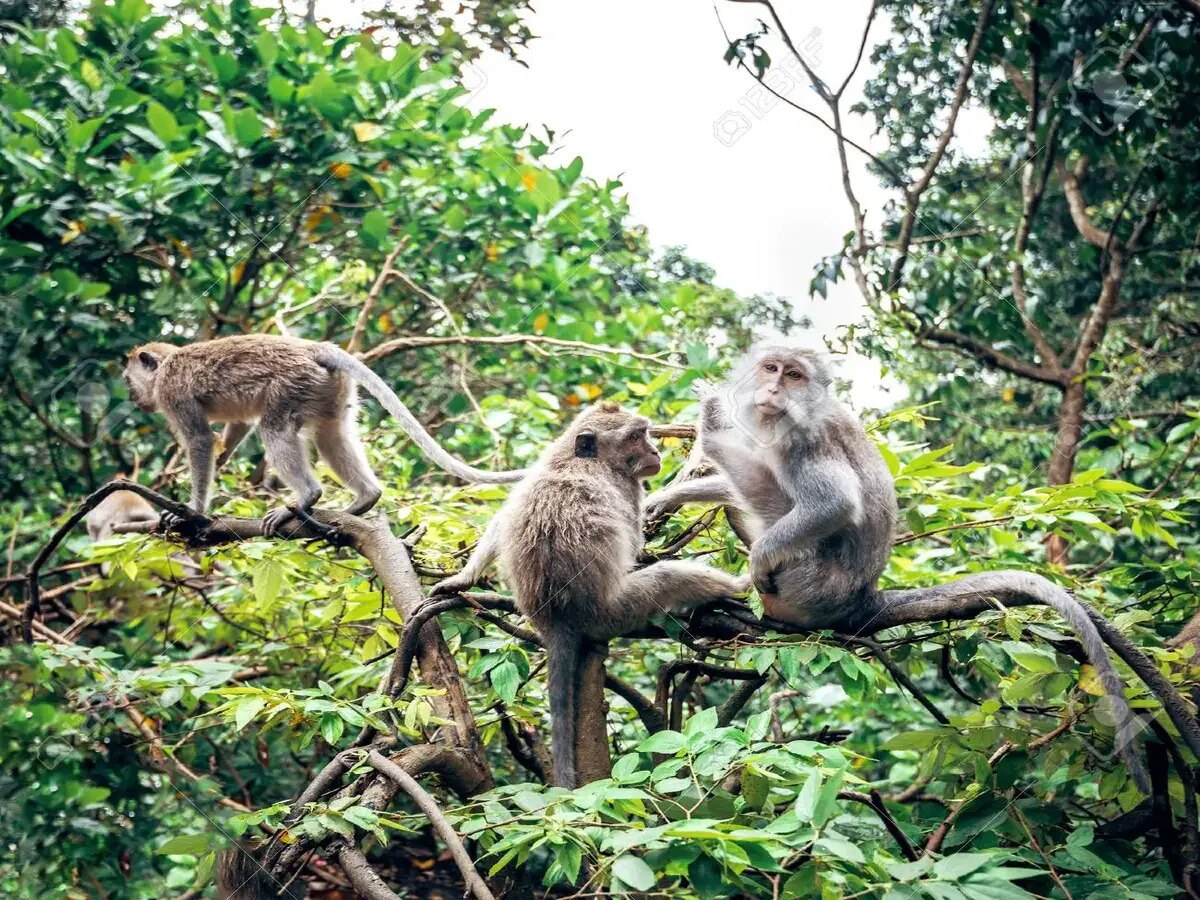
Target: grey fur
x,y
568,538
289,387
825,510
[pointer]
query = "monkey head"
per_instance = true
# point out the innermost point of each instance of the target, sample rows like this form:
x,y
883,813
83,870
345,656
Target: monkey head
x,y
617,438
141,371
775,382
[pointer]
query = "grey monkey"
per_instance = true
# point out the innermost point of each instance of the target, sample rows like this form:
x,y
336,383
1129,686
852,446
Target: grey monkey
x,y
822,508
288,386
568,538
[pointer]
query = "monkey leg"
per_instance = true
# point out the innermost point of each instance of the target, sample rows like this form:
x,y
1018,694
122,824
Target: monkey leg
x,y
339,445
231,438
191,427
668,586
288,456
812,593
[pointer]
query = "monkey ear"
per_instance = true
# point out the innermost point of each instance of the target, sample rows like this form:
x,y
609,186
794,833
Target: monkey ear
x,y
585,445
148,359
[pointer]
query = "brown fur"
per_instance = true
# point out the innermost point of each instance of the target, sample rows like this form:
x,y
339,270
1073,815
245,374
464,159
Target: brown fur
x,y
287,386
118,508
569,537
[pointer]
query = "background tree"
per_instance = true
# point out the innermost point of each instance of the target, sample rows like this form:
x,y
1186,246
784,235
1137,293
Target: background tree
x,y
235,170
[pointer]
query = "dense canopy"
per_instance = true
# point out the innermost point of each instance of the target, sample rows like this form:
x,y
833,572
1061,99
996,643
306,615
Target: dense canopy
x,y
184,172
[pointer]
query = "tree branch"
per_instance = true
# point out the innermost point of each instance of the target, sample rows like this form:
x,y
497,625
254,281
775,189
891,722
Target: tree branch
x,y
429,807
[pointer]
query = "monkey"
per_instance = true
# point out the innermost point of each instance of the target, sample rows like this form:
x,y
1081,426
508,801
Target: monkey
x,y
821,510
288,386
568,537
118,508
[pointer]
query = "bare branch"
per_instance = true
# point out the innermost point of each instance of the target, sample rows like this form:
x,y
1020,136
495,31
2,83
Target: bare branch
x,y
413,342
429,807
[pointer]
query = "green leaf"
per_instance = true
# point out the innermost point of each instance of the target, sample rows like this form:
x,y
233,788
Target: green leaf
x,y
375,227
665,742
162,122
247,710
634,873
185,844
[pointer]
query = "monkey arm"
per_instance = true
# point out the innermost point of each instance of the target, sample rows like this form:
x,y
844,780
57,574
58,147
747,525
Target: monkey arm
x,y
484,554
709,489
234,434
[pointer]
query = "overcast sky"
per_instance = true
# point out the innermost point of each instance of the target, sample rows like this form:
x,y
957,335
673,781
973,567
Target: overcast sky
x,y
640,90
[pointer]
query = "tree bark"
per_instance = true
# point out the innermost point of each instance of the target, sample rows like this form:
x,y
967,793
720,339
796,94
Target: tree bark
x,y
592,759
1062,459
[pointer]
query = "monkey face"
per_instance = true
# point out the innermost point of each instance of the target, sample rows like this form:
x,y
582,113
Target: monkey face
x,y
139,375
641,456
786,384
618,438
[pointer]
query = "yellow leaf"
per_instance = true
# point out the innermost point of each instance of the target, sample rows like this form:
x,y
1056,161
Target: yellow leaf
x,y
340,171
540,323
314,219
1009,394
589,391
1089,681
492,252
74,229
367,131
385,323
238,271
572,400
529,180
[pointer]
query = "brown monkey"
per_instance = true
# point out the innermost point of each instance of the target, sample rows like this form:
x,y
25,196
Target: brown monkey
x,y
802,465
118,508
286,385
569,537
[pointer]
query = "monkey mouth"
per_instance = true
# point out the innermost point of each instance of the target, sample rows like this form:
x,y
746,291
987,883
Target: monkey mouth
x,y
770,407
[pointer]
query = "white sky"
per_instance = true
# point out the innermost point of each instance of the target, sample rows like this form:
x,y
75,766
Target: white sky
x,y
638,88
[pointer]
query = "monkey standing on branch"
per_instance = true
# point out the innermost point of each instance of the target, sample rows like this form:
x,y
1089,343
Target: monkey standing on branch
x,y
288,386
823,507
569,538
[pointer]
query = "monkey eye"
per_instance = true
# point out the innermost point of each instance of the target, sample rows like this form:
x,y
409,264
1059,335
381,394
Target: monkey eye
x,y
770,367
796,374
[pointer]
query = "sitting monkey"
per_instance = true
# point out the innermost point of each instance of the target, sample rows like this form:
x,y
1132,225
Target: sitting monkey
x,y
569,537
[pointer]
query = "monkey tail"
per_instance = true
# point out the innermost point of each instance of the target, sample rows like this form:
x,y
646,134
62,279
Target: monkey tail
x,y
240,876
335,359
562,651
1020,585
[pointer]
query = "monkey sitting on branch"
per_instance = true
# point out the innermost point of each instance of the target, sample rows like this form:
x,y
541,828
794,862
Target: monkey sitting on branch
x,y
822,507
568,538
288,386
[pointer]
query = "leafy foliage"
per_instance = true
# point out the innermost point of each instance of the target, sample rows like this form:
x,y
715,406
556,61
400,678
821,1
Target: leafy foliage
x,y
231,169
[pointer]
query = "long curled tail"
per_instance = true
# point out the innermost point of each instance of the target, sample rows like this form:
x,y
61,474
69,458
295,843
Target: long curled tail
x,y
335,359
562,650
1020,588
240,876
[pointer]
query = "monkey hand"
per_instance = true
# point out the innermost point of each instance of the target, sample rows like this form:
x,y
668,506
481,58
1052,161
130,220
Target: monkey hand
x,y
276,519
762,573
455,584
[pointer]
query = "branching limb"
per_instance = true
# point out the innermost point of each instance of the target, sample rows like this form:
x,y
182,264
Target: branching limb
x,y
429,807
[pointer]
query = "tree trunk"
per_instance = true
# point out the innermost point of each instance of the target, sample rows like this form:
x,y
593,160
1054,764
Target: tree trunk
x,y
1062,460
592,758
